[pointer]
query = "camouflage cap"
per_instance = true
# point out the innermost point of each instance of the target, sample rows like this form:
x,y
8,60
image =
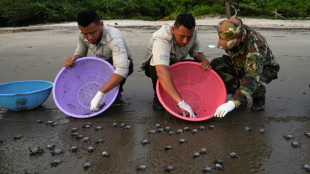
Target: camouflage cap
x,y
229,30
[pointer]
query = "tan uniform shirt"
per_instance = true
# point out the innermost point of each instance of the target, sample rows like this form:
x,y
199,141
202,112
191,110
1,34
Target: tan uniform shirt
x,y
163,48
112,46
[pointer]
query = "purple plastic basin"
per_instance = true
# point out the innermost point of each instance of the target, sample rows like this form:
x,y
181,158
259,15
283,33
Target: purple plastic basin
x,y
75,87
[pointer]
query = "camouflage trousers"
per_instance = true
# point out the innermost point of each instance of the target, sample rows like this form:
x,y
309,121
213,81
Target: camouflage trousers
x,y
232,78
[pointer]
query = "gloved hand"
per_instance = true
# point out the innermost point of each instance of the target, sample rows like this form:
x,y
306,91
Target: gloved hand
x,y
185,107
222,110
95,102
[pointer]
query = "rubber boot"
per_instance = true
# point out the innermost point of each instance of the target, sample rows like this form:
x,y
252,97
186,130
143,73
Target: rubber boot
x,y
157,105
118,101
258,104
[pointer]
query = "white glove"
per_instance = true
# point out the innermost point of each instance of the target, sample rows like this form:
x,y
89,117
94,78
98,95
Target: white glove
x,y
222,110
95,102
185,107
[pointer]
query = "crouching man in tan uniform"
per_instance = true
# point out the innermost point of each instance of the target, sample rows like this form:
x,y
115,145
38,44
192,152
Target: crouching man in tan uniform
x,y
169,45
108,43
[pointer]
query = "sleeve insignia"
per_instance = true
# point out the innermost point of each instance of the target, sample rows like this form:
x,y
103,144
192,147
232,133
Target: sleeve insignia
x,y
116,48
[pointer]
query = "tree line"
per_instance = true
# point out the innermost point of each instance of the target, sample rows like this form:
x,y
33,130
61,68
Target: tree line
x,y
27,12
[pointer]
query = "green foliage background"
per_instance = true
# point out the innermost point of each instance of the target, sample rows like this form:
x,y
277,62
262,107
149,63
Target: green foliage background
x,y
26,12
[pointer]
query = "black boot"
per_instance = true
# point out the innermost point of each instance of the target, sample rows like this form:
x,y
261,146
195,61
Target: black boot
x,y
118,101
258,104
157,105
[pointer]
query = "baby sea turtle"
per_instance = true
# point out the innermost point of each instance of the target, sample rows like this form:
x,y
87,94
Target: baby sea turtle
x,y
182,141
169,168
201,128
233,155
74,129
127,127
87,125
114,124
55,162
74,148
196,155
167,128
179,131
49,122
86,139
99,141
17,137
207,170
295,144
57,151
105,154
219,162
211,126
219,166
141,167
247,128
98,128
122,125
158,125
87,165
159,130
307,167
90,149
262,131
39,121
187,115
50,146
170,133
288,137
54,124
194,131
79,136
203,151
74,134
168,148
307,134
145,141
152,131
186,129
36,150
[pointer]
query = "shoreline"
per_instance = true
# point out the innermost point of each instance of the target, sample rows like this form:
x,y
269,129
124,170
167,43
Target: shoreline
x,y
206,21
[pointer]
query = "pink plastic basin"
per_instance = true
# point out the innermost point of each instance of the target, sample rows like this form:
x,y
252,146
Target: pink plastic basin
x,y
74,88
203,90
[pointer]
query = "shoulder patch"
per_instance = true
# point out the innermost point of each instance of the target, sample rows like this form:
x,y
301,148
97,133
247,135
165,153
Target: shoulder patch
x,y
116,48
163,56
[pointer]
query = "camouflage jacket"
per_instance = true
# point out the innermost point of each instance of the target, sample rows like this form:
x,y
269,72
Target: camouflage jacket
x,y
249,60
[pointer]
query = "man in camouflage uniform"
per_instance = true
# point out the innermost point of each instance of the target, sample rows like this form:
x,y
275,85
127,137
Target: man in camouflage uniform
x,y
249,66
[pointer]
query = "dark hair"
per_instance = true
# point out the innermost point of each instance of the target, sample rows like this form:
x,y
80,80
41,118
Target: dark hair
x,y
185,19
86,17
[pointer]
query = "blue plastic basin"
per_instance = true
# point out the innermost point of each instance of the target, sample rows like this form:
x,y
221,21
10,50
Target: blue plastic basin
x,y
24,95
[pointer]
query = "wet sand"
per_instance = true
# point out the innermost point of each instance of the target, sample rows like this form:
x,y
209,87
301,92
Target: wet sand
x,y
40,54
